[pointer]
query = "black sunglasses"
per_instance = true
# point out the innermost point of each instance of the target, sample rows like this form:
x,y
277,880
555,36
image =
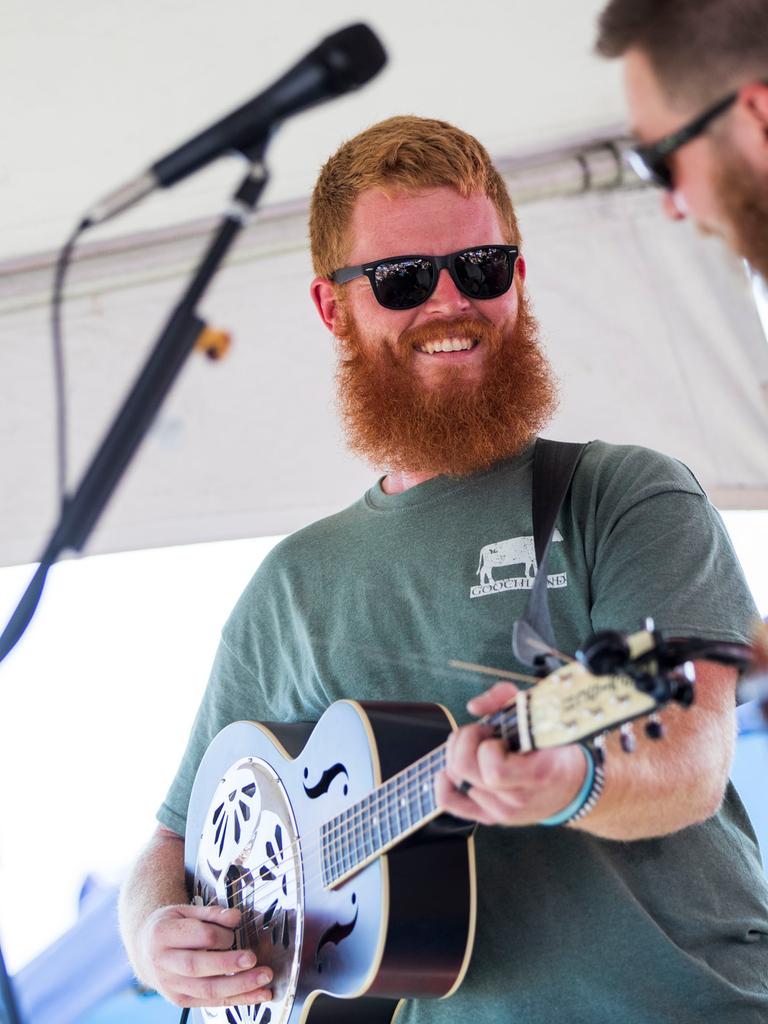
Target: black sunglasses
x,y
402,282
649,162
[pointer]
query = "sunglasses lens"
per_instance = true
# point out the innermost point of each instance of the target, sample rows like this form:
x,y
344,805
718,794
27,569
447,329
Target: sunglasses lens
x,y
402,284
484,273
649,168
479,273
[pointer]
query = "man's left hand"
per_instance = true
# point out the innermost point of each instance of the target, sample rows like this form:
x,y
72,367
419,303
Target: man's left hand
x,y
505,788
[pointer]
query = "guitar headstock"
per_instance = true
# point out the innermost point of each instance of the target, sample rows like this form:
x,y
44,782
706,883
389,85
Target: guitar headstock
x,y
572,705
618,677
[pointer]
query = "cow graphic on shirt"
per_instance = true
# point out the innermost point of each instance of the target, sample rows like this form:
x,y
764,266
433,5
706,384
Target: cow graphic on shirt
x,y
515,551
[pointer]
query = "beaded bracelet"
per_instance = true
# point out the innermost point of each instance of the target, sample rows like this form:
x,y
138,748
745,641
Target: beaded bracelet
x,y
586,798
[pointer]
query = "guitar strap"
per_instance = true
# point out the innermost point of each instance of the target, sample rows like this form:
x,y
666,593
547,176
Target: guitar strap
x,y
554,463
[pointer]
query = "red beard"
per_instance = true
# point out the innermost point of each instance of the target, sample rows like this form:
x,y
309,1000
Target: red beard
x,y
743,196
458,427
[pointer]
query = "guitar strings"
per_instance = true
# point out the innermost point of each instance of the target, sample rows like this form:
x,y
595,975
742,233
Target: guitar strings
x,y
263,891
404,786
249,894
500,673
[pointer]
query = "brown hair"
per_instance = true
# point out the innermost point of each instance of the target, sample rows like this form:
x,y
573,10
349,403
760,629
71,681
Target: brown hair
x,y
408,153
698,49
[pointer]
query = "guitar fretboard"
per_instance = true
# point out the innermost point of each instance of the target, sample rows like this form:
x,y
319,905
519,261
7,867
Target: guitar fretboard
x,y
368,828
401,805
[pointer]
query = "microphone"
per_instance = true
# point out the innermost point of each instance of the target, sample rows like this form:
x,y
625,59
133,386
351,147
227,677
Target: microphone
x,y
342,62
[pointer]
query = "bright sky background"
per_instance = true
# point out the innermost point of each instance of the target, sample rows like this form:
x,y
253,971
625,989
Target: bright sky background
x,y
96,702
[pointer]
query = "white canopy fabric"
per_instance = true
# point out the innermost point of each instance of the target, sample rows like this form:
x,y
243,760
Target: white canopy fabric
x,y
652,331
95,92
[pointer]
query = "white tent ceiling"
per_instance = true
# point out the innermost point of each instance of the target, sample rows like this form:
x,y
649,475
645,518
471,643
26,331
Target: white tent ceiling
x,y
96,91
652,331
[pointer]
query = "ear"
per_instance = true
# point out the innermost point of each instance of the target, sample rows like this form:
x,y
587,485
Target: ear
x,y
324,297
520,267
755,96
753,102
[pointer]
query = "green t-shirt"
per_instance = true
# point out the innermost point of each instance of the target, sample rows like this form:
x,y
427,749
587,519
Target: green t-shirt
x,y
373,602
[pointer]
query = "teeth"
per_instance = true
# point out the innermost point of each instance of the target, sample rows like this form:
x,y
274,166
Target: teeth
x,y
447,345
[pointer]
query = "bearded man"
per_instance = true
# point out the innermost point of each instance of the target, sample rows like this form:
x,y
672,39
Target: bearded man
x,y
696,75
639,899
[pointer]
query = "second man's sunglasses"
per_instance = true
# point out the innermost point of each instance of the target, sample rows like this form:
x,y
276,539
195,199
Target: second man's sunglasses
x,y
402,282
649,162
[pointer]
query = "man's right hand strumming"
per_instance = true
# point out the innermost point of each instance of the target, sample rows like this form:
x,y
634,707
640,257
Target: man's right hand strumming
x,y
187,954
183,951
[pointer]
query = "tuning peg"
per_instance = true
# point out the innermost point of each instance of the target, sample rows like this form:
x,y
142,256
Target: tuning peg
x,y
605,652
654,728
646,683
688,671
598,749
684,694
682,684
627,738
662,687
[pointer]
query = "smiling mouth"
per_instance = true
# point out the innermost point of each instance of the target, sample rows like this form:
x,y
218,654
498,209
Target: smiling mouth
x,y
430,348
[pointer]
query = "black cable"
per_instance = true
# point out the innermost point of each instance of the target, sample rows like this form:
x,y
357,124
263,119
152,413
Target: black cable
x,y
184,1015
29,601
62,264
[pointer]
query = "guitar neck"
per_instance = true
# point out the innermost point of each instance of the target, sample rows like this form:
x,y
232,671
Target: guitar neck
x,y
399,807
568,706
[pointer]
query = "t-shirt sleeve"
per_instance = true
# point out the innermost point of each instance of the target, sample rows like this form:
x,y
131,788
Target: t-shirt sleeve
x,y
221,704
257,675
660,549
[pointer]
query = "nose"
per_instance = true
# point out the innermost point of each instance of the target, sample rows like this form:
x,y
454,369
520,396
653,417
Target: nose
x,y
446,297
672,204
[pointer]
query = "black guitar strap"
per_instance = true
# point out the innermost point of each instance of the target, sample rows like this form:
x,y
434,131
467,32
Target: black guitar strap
x,y
554,463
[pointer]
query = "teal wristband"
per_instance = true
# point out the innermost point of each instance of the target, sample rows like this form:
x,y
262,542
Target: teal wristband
x,y
581,797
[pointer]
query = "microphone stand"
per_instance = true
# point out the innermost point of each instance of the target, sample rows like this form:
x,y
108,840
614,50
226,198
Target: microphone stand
x,y
80,512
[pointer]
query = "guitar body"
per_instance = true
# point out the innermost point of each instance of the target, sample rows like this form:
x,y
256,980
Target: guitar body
x,y
402,925
354,888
